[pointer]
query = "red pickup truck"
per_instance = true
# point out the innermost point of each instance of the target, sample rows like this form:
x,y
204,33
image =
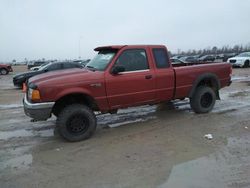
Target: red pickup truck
x,y
121,77
5,69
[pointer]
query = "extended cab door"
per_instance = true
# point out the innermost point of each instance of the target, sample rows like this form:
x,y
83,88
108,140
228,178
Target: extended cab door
x,y
164,74
136,84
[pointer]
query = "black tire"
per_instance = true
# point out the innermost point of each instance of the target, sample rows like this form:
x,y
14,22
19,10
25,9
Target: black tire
x,y
246,64
76,122
203,100
4,71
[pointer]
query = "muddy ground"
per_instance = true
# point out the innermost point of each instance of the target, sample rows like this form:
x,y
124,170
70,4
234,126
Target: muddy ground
x,y
149,146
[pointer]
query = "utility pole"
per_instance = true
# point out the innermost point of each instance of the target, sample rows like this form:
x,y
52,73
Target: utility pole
x,y
79,47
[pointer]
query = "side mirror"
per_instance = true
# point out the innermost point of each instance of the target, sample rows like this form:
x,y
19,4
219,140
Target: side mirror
x,y
117,69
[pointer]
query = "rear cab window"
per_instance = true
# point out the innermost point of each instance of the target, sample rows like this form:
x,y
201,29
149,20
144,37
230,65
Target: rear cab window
x,y
161,58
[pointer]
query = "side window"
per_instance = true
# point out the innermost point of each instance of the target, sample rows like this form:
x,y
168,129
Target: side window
x,y
161,58
133,60
55,66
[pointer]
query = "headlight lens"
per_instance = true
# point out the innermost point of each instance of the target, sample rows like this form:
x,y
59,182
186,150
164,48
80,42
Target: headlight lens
x,y
34,94
30,93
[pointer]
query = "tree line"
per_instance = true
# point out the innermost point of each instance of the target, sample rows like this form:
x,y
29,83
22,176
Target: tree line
x,y
215,50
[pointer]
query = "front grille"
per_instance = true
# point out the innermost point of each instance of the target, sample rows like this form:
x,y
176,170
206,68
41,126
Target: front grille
x,y
232,61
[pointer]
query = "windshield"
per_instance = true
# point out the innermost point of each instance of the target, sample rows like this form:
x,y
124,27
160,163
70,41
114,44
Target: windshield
x,y
101,60
245,54
44,66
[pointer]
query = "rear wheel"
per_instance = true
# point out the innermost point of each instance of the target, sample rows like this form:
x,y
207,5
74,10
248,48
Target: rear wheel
x,y
203,99
3,71
76,122
246,64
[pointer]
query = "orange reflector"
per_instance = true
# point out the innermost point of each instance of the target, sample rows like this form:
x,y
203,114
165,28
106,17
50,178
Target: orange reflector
x,y
35,95
24,87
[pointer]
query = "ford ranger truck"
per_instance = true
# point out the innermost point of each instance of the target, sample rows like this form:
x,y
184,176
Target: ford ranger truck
x,y
120,77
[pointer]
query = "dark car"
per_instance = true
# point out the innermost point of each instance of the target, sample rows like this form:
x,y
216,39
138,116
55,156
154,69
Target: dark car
x,y
19,79
82,62
5,69
207,58
189,59
176,61
35,64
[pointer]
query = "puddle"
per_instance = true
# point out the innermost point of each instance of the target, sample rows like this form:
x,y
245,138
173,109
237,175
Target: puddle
x,y
139,114
228,167
243,93
132,121
126,116
220,109
46,133
203,172
22,162
239,78
10,106
5,135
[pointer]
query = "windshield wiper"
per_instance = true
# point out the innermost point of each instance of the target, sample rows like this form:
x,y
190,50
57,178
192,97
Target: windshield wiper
x,y
91,68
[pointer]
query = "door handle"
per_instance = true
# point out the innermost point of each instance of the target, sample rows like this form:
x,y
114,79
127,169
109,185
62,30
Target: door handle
x,y
148,76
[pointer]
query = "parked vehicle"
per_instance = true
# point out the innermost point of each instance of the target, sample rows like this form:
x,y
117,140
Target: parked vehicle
x,y
35,64
241,60
189,59
19,79
120,77
38,67
5,69
178,62
85,62
82,62
207,58
177,56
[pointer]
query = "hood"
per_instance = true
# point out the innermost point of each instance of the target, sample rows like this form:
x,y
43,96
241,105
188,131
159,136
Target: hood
x,y
65,77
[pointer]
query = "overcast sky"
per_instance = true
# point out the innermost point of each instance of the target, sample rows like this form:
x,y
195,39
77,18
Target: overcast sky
x,y
48,29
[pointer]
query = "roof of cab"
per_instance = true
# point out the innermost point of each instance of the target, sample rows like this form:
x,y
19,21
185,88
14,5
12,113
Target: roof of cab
x,y
118,47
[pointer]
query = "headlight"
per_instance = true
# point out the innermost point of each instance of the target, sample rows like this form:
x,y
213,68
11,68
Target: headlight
x,y
30,93
34,94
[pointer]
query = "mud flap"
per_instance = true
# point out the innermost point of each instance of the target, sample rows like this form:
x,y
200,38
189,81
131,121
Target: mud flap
x,y
217,95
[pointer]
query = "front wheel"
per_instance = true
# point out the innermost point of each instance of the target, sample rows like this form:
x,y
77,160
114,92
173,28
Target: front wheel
x,y
76,122
246,64
203,100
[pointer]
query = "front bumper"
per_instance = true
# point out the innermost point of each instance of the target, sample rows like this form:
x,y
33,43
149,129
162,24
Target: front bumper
x,y
38,111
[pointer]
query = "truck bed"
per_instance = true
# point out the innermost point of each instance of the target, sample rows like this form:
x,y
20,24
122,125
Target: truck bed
x,y
185,76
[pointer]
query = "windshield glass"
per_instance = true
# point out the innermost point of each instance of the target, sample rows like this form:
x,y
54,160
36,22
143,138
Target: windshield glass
x,y
245,54
101,60
44,66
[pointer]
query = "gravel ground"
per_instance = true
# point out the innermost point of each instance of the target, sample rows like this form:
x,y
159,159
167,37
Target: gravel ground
x,y
148,146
